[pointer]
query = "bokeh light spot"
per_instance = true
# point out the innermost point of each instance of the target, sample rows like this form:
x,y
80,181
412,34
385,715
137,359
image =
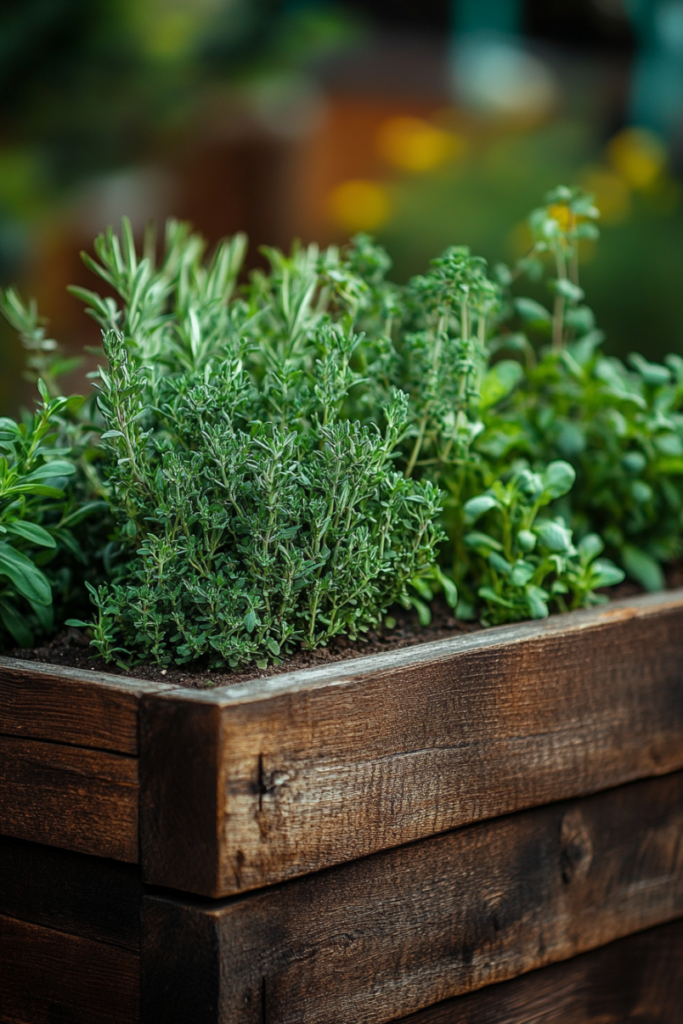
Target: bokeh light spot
x,y
638,156
611,192
415,145
500,78
360,205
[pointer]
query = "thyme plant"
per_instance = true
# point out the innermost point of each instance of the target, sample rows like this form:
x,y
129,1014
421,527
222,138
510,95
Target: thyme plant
x,y
255,515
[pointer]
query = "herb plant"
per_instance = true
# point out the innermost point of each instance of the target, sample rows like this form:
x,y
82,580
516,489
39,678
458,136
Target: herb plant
x,y
288,455
34,515
49,487
621,427
448,357
255,515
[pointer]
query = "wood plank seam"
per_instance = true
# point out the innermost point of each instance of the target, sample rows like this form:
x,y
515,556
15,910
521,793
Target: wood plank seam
x,y
371,941
327,774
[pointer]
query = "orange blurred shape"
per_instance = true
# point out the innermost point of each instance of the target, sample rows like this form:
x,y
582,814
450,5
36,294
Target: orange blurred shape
x,y
360,205
638,156
415,145
611,192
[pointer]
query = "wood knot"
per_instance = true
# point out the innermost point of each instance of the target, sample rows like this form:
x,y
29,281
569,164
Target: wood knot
x,y
576,847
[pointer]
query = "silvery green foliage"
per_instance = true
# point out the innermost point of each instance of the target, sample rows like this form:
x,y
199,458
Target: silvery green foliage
x,y
256,514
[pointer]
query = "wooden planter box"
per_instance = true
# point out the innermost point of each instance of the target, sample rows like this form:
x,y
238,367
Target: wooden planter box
x,y
482,829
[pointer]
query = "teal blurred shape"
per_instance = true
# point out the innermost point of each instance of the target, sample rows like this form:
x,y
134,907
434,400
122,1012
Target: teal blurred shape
x,y
503,17
656,99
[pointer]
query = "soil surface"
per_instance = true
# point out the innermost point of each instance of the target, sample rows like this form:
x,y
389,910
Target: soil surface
x,y
71,647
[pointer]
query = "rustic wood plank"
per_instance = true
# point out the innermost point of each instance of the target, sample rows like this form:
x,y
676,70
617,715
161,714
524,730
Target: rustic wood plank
x,y
48,976
377,939
82,800
86,709
89,896
638,979
255,783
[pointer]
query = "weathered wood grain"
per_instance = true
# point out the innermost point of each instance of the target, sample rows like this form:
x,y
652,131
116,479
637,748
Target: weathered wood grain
x,y
255,783
86,709
92,897
377,939
50,977
639,980
82,800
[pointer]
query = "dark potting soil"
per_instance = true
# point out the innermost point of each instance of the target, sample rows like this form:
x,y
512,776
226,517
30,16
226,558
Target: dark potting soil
x,y
71,647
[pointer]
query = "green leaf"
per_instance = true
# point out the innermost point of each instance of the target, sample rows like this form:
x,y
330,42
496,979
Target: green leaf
x,y
42,489
59,467
652,373
273,646
537,602
499,381
590,546
15,624
642,492
634,462
499,563
569,290
669,444
449,588
465,611
558,478
526,540
424,614
489,594
642,568
29,581
250,620
422,587
521,573
606,573
532,311
554,536
476,507
32,532
475,539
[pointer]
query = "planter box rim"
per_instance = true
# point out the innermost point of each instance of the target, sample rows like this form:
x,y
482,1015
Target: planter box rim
x,y
353,669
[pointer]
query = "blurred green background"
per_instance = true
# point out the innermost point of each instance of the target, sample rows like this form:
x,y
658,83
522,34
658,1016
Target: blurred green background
x,y
428,124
